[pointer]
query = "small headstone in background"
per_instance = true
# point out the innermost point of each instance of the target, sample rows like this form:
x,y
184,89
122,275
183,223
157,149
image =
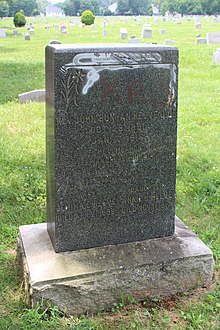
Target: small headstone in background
x,y
134,40
146,32
63,30
169,42
15,32
215,20
163,19
162,31
2,33
92,26
32,96
123,33
31,31
216,56
104,33
198,25
56,26
27,36
72,25
83,25
201,41
178,22
213,38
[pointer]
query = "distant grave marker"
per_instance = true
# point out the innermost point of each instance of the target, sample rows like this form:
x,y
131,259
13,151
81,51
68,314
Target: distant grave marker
x,y
162,31
213,38
146,32
202,41
105,33
27,36
2,33
123,33
63,30
15,32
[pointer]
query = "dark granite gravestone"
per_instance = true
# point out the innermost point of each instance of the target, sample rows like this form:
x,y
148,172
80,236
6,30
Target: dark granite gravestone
x,y
111,150
111,143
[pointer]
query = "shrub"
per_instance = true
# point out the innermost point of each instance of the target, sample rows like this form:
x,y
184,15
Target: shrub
x,y
19,19
88,17
35,12
107,12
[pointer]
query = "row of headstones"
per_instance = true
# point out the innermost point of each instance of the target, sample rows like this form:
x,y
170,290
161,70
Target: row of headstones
x,y
175,19
212,37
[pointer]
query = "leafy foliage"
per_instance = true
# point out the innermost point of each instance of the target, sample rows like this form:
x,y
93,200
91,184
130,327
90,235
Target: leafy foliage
x,y
88,17
19,19
133,7
191,7
4,9
26,5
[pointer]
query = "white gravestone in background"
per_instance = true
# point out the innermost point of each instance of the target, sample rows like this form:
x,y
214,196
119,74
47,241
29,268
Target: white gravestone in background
x,y
146,32
213,38
2,33
123,33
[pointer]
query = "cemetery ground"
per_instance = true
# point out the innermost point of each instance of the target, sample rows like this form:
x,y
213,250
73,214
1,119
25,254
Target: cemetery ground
x,y
22,168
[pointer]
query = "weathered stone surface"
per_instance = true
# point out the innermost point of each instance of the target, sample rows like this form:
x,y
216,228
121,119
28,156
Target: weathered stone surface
x,y
37,95
87,280
111,143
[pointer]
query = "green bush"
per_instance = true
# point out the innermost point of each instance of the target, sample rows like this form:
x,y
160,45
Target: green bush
x,y
88,17
35,12
107,12
19,19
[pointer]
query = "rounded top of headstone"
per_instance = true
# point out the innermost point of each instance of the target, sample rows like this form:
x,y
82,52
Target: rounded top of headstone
x,y
54,42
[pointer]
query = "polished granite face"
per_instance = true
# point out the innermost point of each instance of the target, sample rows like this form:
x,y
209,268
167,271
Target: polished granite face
x,y
111,144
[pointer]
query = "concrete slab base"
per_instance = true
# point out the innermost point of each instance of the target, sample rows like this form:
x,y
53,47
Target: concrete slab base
x,y
88,280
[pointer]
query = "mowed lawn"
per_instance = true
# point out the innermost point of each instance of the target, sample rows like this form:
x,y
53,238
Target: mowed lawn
x,y
22,168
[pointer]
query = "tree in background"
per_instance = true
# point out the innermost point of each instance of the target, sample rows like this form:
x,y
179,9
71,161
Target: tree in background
x,y
73,7
133,7
7,1
77,6
191,7
36,12
139,7
68,7
41,5
211,7
123,7
4,9
92,5
26,5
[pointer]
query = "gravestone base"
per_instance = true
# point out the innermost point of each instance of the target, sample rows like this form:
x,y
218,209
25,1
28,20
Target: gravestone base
x,y
86,281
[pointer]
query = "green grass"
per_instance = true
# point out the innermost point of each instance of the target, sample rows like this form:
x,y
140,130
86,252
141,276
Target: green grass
x,y
22,172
